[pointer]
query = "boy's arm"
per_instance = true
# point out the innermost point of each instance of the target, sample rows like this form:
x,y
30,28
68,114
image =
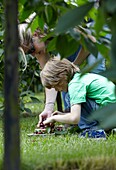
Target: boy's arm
x,y
51,95
69,118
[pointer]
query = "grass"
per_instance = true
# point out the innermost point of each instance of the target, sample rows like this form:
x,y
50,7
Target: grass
x,y
63,152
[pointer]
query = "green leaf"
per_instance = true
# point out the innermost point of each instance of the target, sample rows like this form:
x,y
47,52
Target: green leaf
x,y
21,105
89,68
66,46
40,22
48,129
106,116
1,107
48,13
73,17
111,6
26,93
110,74
1,51
28,110
22,2
113,51
35,100
51,45
104,50
92,48
99,21
34,24
25,14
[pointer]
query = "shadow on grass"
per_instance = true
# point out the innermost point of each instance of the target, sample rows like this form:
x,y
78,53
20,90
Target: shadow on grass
x,y
86,164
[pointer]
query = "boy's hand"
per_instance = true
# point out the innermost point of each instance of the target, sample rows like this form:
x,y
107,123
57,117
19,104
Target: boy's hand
x,y
49,120
52,118
46,113
43,116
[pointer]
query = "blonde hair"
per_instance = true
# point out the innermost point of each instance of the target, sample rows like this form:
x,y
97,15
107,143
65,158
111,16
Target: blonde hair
x,y
25,34
56,71
25,37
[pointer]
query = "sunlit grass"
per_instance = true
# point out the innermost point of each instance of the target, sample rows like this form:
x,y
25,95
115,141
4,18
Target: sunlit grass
x,y
63,152
60,151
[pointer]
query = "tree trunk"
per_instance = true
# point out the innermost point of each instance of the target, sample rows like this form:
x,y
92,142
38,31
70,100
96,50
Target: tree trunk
x,y
11,112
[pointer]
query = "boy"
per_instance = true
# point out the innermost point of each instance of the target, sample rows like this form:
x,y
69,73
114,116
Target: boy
x,y
87,93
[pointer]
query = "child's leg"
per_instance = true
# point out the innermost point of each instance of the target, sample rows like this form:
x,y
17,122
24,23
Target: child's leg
x,y
87,109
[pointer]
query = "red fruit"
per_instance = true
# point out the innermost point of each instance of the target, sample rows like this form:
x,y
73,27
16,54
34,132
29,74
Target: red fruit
x,y
42,125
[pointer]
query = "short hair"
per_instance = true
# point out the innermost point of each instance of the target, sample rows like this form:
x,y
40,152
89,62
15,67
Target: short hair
x,y
56,71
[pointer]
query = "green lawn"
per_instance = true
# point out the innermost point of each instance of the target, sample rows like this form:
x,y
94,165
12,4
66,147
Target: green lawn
x,y
62,152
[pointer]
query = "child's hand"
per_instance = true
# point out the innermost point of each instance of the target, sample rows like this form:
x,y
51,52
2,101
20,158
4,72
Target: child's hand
x,y
44,115
49,120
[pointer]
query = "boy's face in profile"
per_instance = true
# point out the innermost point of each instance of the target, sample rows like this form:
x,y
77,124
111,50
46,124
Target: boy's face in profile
x,y
61,86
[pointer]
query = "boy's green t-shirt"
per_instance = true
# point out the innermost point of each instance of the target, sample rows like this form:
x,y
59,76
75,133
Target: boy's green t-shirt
x,y
93,86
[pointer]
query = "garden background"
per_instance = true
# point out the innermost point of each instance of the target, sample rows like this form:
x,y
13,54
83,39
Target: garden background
x,y
22,83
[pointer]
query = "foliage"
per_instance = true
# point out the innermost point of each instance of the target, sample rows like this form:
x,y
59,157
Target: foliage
x,y
59,17
29,82
48,13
